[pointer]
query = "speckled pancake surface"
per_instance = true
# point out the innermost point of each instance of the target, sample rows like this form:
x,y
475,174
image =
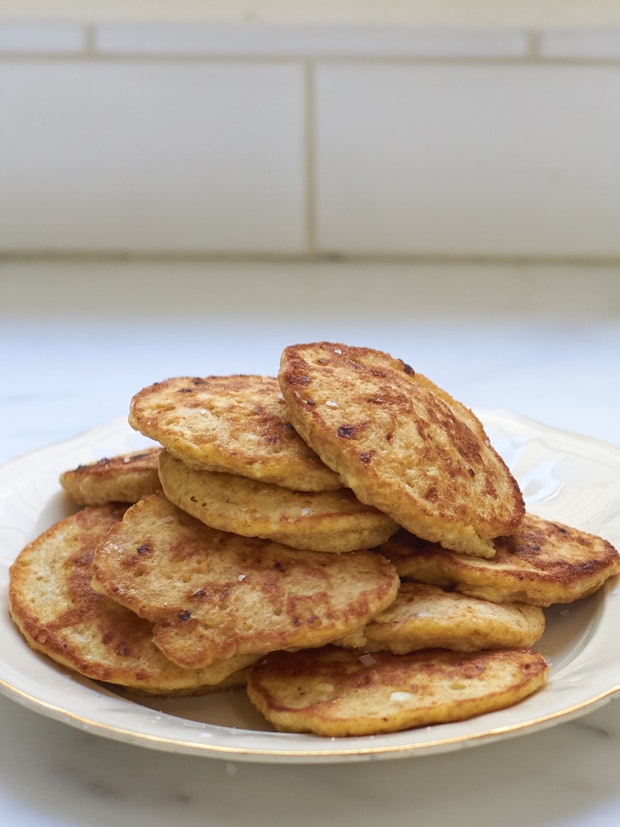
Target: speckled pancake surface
x,y
124,478
425,616
214,595
331,521
335,692
401,444
544,563
237,424
53,605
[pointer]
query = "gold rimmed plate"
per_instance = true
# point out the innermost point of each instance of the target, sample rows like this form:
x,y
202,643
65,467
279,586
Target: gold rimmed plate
x,y
564,476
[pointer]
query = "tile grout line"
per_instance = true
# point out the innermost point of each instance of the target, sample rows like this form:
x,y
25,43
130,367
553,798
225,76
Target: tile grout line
x,y
90,41
120,256
534,50
92,55
309,115
92,51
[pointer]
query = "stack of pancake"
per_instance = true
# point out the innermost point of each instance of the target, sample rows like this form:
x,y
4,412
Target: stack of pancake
x,y
342,540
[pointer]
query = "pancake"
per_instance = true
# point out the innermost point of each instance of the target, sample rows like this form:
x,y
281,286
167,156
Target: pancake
x,y
213,595
236,424
125,478
331,521
401,444
426,617
58,613
336,692
544,563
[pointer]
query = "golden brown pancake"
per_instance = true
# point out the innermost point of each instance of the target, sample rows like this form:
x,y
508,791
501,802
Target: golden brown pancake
x,y
544,563
337,692
236,424
213,595
401,444
332,521
56,610
426,617
125,478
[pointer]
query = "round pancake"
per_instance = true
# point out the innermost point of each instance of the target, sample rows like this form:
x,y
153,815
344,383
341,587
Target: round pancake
x,y
332,521
426,617
214,595
56,610
336,692
237,424
542,564
125,478
401,444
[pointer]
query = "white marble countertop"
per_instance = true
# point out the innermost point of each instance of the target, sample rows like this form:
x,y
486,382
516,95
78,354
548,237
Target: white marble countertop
x,y
79,338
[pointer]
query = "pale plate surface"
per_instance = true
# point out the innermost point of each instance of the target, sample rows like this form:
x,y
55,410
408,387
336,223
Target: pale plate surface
x,y
564,476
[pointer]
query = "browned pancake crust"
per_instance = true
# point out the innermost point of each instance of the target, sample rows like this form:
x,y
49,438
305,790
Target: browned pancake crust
x,y
542,564
336,692
53,605
214,595
401,444
125,478
331,521
425,617
237,424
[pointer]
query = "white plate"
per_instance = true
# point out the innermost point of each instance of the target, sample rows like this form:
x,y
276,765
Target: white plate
x,y
564,476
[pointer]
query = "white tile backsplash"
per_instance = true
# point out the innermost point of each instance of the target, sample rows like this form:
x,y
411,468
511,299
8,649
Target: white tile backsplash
x,y
23,37
145,157
582,44
467,160
309,41
309,140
